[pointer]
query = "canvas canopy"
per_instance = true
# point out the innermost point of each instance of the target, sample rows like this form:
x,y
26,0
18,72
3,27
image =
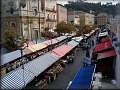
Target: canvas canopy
x,y
83,78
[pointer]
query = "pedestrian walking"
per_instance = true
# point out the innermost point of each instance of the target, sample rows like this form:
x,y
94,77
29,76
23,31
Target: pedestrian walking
x,y
87,53
87,61
92,43
94,57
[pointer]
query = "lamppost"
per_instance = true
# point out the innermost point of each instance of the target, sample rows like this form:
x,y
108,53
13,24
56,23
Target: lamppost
x,y
18,42
36,39
22,4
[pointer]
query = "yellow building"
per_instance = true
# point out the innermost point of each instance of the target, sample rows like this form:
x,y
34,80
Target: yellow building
x,y
101,19
73,18
51,13
86,18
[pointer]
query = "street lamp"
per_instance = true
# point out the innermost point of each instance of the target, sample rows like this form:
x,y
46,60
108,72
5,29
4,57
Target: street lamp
x,y
18,42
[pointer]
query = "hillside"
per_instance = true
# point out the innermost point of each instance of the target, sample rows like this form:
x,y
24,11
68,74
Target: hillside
x,y
95,7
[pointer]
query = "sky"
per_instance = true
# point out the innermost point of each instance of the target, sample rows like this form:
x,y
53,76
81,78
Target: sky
x,y
94,1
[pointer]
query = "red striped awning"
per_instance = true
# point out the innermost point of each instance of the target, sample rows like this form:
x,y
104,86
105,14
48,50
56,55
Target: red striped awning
x,y
62,50
103,46
105,39
107,54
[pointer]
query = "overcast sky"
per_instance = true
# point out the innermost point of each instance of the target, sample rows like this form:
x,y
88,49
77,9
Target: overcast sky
x,y
95,1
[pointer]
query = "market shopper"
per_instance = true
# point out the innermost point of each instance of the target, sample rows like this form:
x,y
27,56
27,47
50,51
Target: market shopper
x,y
87,61
92,42
94,57
87,53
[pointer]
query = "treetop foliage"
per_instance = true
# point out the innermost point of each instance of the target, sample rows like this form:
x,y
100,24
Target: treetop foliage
x,y
10,36
62,27
80,5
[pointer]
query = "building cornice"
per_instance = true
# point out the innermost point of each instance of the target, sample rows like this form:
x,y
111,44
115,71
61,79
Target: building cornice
x,y
16,17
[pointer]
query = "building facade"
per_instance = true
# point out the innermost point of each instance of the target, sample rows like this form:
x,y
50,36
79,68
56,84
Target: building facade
x,y
101,19
61,13
51,13
118,48
26,16
109,22
73,18
86,19
115,32
118,57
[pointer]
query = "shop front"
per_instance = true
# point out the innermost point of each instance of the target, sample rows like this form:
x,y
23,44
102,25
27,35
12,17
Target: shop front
x,y
106,63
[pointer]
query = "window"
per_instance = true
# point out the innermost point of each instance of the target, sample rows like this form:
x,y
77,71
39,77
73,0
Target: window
x,y
51,17
11,10
54,17
34,1
48,16
35,12
10,3
13,24
53,7
48,25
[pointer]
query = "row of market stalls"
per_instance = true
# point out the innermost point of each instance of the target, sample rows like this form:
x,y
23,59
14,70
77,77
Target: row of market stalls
x,y
22,76
48,64
83,80
103,64
13,60
105,57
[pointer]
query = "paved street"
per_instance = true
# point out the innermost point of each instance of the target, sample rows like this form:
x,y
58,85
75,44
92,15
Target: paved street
x,y
68,73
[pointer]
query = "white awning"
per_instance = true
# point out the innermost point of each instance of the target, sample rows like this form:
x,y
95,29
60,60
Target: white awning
x,y
15,80
78,38
40,64
73,43
10,56
61,38
87,35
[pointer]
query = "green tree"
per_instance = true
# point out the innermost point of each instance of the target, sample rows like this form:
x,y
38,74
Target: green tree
x,y
84,29
80,5
62,27
10,36
47,34
80,30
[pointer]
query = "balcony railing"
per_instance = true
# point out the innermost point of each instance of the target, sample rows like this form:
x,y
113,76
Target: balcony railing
x,y
52,10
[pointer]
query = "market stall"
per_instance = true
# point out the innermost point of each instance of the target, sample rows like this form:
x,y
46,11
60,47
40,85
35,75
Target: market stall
x,y
51,43
11,61
101,47
105,39
62,50
106,63
61,39
32,69
83,78
73,43
15,79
